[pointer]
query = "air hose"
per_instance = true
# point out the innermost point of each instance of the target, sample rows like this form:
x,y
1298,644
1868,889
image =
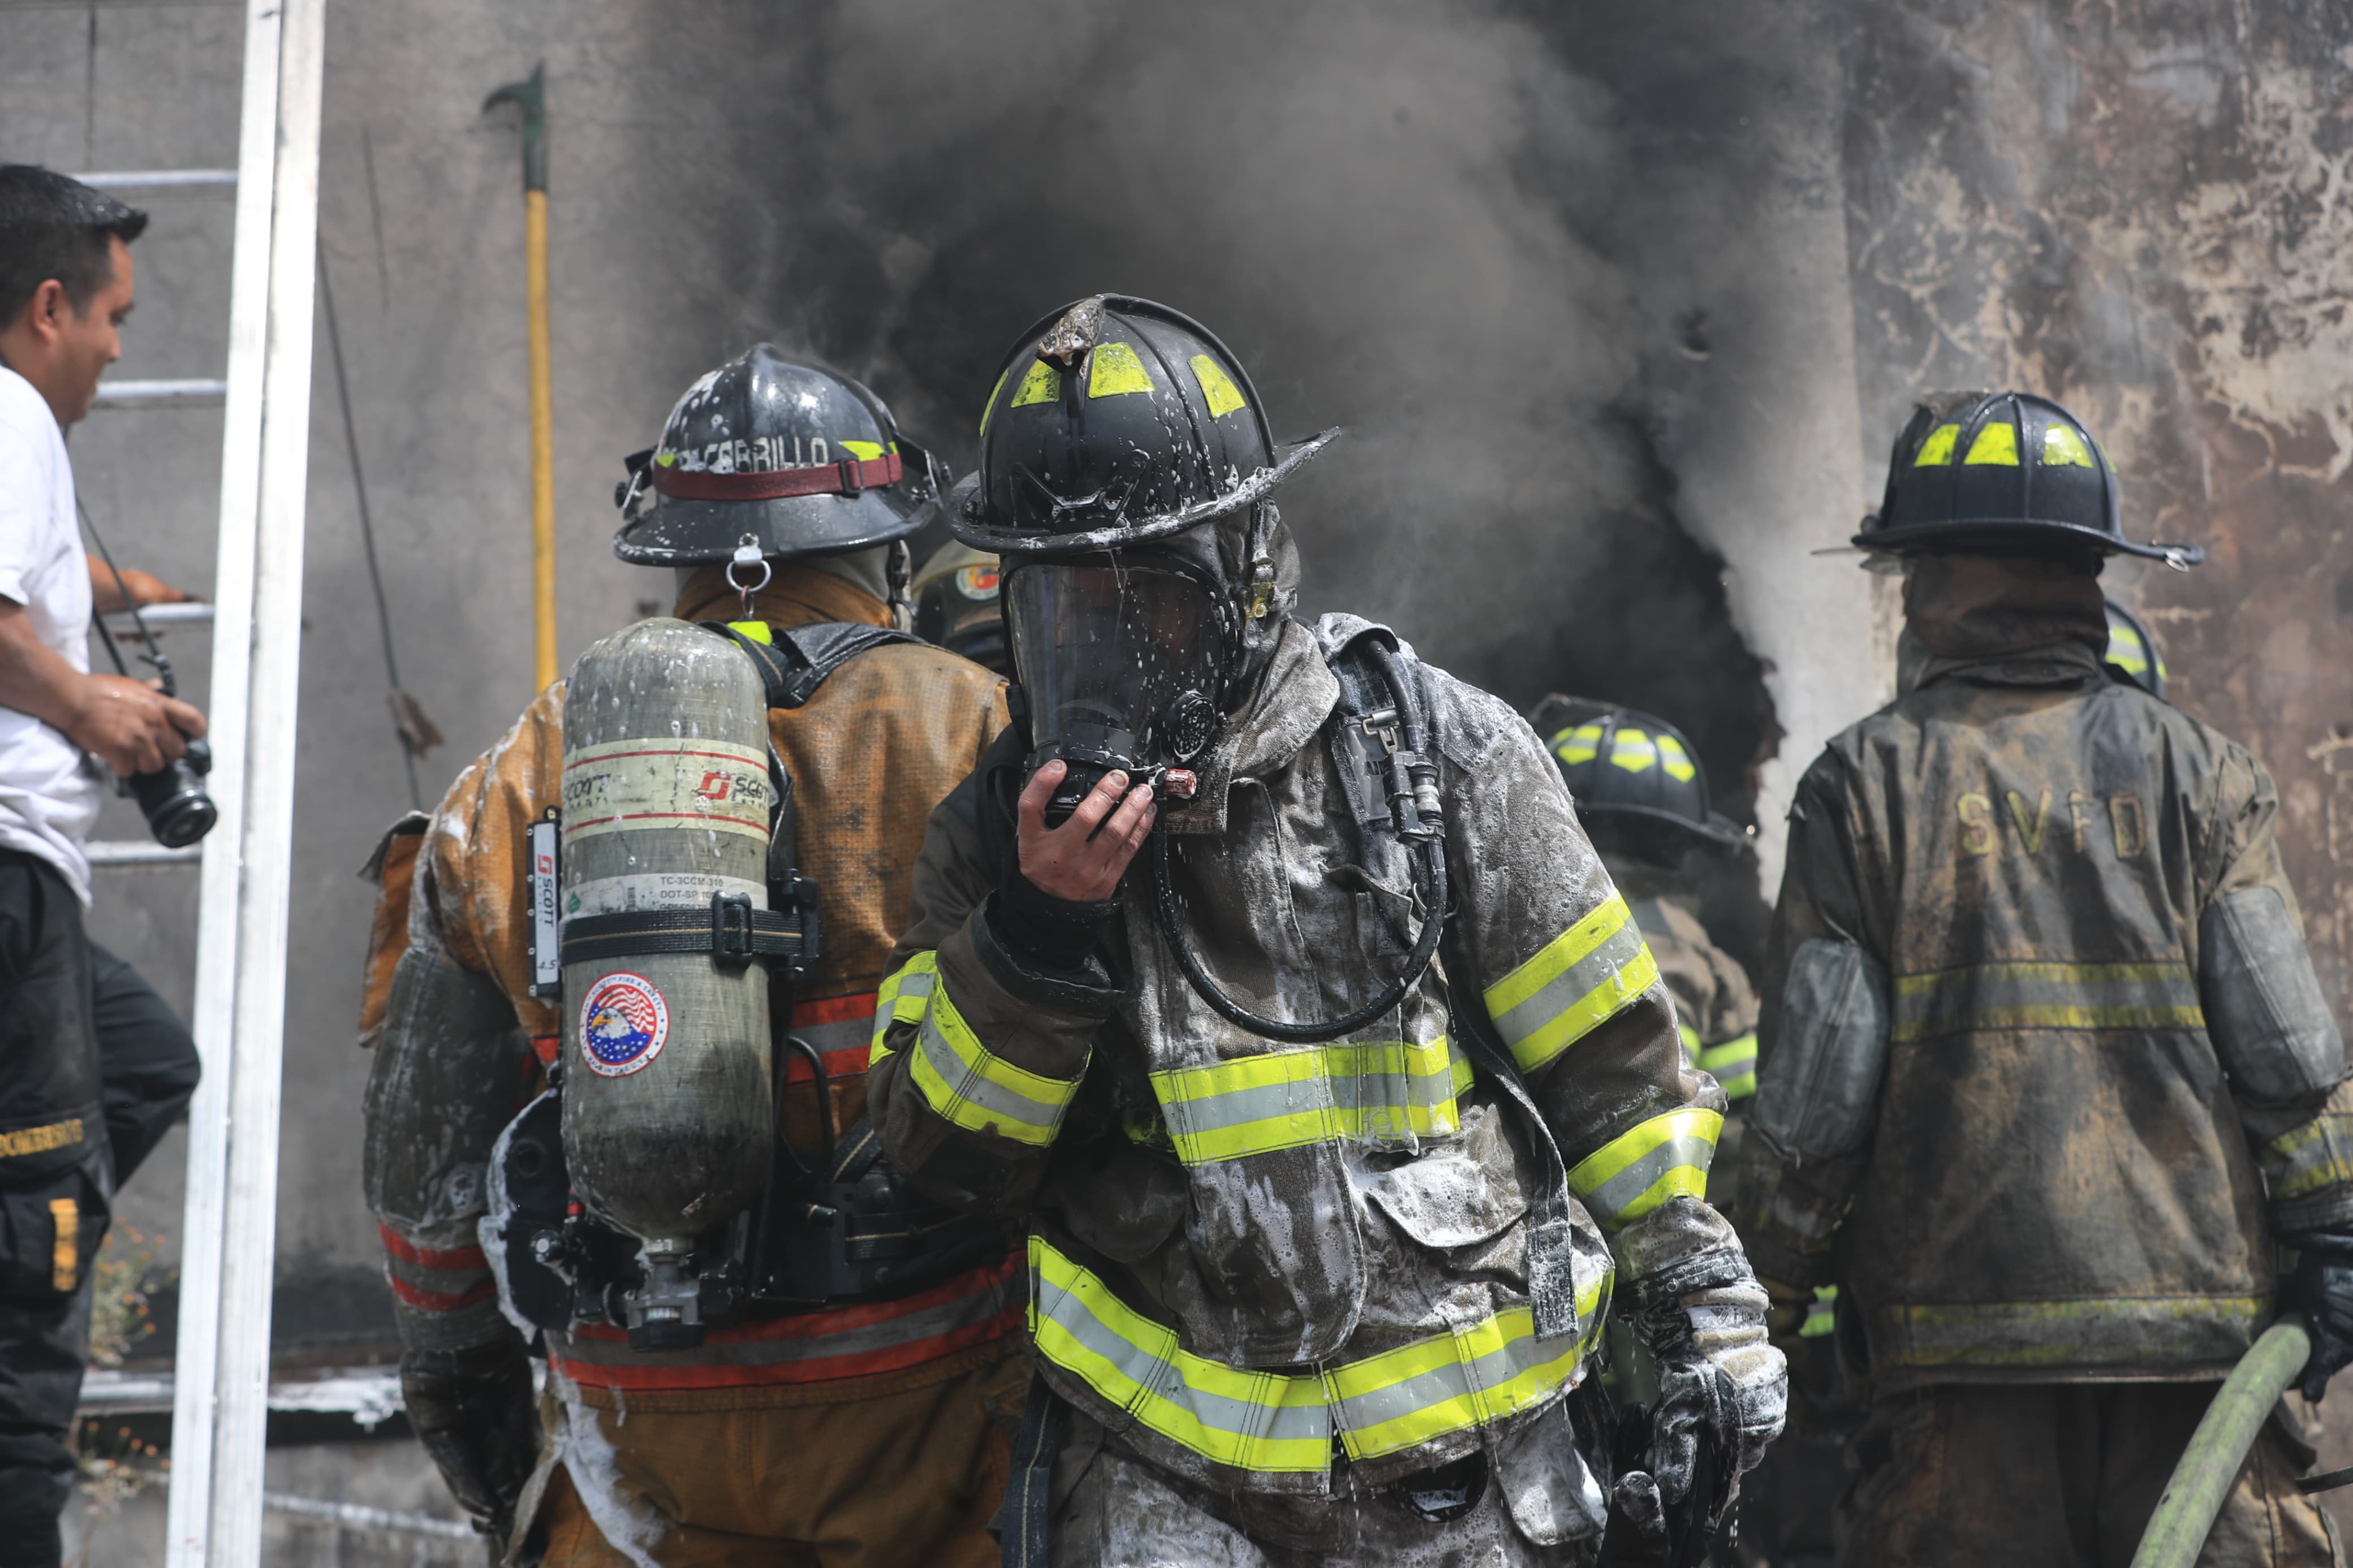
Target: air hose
x,y
2185,1512
1414,816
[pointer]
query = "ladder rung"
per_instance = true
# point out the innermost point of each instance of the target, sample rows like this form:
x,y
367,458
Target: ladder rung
x,y
160,394
189,614
159,179
116,853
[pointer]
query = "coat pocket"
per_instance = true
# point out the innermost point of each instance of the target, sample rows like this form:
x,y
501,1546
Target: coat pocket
x,y
50,1235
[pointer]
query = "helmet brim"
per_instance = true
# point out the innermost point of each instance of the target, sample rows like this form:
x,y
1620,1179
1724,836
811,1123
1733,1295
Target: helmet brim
x,y
965,507
1717,829
2006,536
698,533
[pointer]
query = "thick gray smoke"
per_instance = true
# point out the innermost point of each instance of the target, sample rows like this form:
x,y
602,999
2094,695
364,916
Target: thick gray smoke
x,y
1375,203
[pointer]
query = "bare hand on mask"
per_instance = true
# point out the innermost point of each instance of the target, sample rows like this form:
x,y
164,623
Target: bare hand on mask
x,y
1075,861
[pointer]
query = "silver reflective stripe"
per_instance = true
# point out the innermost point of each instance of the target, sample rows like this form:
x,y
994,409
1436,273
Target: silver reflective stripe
x,y
1613,1196
1574,984
968,1085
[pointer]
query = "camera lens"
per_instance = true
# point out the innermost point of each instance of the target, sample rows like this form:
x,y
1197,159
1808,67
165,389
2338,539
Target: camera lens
x,y
174,801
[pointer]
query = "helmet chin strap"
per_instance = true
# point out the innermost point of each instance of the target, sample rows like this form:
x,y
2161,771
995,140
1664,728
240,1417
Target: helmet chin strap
x,y
1258,578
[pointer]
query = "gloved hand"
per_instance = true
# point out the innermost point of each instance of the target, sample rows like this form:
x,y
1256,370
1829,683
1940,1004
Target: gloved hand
x,y
1722,1384
2321,1289
475,1413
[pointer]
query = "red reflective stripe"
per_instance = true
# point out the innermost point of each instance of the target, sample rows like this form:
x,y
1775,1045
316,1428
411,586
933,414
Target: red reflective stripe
x,y
834,1009
833,1368
440,1300
682,1369
834,1013
544,1047
774,484
407,1251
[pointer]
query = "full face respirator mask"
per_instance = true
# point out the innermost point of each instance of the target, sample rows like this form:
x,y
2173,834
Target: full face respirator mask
x,y
1123,666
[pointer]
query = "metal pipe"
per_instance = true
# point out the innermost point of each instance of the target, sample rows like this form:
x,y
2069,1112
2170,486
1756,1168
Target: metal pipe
x,y
2210,1465
160,179
193,613
105,854
359,1516
191,393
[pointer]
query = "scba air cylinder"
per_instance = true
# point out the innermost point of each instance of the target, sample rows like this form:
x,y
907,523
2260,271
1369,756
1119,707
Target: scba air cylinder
x,y
666,803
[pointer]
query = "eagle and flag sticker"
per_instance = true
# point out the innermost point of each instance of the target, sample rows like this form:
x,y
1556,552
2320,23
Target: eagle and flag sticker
x,y
624,1023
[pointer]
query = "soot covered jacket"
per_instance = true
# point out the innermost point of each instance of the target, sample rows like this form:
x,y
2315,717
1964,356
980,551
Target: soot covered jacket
x,y
2041,1045
1248,1258
459,1040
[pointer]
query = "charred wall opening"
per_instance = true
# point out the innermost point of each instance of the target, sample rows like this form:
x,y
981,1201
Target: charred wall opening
x,y
1403,217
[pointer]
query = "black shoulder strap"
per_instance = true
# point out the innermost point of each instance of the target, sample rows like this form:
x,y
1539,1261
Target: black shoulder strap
x,y
797,662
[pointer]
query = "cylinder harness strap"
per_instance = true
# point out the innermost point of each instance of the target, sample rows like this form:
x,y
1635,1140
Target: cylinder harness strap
x,y
850,476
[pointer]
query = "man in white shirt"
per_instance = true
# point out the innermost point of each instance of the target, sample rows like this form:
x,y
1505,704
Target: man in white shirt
x,y
93,1067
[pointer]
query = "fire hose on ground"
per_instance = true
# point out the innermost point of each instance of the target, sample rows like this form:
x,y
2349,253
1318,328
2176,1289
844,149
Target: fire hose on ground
x,y
2210,1465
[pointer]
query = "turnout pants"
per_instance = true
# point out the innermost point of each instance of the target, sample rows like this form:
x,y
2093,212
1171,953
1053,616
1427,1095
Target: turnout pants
x,y
93,1068
2058,1476
889,1480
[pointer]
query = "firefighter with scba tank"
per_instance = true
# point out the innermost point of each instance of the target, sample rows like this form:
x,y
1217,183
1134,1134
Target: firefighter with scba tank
x,y
620,1039
1263,970
2047,1080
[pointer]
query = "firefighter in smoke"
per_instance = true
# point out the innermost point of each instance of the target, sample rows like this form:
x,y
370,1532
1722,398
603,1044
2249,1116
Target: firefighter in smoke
x,y
2047,1078
957,604
870,1425
1328,1194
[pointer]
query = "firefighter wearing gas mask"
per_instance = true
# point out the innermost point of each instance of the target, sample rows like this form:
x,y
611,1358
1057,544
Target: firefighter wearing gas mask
x,y
618,1099
1264,971
2047,1080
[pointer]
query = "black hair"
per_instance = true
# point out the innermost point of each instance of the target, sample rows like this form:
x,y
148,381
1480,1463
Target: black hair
x,y
53,226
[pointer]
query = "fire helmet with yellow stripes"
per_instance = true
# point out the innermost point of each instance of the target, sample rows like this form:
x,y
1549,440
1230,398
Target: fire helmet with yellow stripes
x,y
2132,655
803,460
2003,473
1114,422
1630,770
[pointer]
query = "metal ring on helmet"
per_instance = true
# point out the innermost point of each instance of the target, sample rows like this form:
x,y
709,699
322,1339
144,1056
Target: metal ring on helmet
x,y
2003,472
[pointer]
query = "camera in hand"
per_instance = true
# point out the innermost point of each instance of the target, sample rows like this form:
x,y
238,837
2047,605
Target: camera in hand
x,y
172,798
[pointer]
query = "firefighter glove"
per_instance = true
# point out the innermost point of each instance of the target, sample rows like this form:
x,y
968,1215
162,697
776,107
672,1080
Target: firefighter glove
x,y
474,1411
2322,1291
1722,1384
1039,929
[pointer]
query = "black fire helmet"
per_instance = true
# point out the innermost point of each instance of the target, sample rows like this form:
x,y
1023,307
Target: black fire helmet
x,y
804,460
2003,473
1622,763
2133,654
1114,422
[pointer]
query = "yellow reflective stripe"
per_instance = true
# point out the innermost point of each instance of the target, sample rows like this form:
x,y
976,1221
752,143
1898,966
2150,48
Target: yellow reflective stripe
x,y
1476,1376
968,1085
1113,369
65,1254
1218,388
1470,1376
2087,1332
2061,447
1634,1172
1585,975
1578,744
1691,1041
1249,1420
2303,1160
989,407
1936,451
1996,444
1733,1065
1676,760
2037,994
1226,1111
901,1000
1634,750
1040,383
1822,1313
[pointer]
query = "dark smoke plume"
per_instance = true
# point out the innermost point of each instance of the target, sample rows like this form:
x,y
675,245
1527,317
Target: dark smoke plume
x,y
1378,205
